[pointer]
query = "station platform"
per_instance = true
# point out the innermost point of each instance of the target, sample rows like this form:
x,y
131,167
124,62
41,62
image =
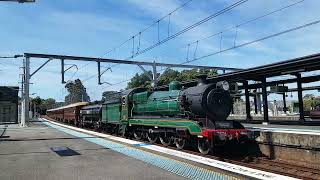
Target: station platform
x,y
293,129
48,150
292,143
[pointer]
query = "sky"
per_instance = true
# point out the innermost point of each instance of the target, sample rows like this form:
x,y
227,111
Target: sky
x,y
93,27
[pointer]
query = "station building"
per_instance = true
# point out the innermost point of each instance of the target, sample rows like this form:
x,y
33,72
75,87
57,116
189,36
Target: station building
x,y
9,104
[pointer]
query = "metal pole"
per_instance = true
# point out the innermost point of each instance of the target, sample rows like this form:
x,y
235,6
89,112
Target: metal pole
x,y
25,105
62,71
300,99
27,87
22,95
255,104
154,78
232,108
284,103
99,73
259,101
246,92
265,102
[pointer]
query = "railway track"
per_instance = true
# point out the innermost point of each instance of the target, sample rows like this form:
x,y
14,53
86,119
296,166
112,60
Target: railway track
x,y
263,163
256,161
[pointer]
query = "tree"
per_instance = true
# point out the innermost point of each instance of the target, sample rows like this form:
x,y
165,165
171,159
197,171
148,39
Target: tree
x,y
307,104
44,104
141,80
77,92
37,101
110,95
49,103
308,96
310,101
187,75
35,104
169,75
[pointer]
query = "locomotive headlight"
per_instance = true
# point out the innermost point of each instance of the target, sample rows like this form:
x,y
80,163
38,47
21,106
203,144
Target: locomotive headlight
x,y
224,85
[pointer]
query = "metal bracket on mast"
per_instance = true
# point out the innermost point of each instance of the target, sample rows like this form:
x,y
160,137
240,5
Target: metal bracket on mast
x,y
63,71
100,74
153,78
146,72
40,67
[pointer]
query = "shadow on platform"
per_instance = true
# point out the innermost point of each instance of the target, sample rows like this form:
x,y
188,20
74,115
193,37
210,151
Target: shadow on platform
x,y
47,152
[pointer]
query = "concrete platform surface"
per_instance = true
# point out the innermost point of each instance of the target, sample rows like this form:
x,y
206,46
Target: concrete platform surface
x,y
25,154
28,153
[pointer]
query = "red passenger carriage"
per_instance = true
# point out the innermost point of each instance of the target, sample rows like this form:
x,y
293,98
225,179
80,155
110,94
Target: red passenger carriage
x,y
69,113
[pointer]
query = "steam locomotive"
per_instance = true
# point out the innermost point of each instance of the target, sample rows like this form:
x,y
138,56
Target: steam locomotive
x,y
181,116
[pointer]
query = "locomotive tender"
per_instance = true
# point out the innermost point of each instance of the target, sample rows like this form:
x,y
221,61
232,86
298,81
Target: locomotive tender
x,y
195,116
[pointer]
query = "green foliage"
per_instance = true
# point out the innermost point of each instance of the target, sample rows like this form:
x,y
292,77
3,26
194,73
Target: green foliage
x,y
77,92
110,95
42,105
49,103
37,100
310,101
141,80
169,75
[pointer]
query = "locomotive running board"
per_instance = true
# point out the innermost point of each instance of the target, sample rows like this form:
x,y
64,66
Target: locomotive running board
x,y
241,170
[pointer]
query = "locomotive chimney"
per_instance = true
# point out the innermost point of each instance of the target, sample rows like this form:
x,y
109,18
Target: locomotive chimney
x,y
202,79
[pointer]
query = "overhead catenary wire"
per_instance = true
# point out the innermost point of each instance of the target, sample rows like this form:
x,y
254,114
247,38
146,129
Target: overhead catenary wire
x,y
251,42
231,28
257,40
246,22
94,75
151,25
11,62
236,28
138,35
10,57
139,39
228,8
238,3
126,80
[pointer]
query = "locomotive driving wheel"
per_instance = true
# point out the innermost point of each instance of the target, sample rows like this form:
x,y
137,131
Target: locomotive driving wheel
x,y
203,145
165,139
96,126
137,134
180,143
151,136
